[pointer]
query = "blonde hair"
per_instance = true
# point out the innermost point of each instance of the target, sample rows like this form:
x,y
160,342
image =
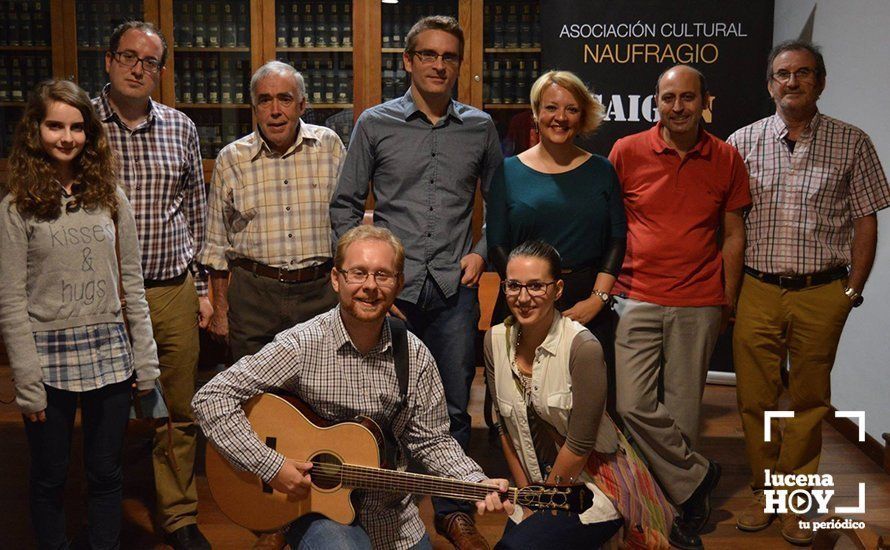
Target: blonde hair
x,y
370,232
592,111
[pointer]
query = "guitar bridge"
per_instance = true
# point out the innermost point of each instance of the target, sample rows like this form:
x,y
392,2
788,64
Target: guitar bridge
x,y
271,442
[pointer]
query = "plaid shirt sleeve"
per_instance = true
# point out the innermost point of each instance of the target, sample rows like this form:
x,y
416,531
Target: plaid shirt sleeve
x,y
195,206
218,411
216,241
869,191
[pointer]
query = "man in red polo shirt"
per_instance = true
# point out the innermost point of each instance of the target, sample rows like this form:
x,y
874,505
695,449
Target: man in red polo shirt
x,y
678,286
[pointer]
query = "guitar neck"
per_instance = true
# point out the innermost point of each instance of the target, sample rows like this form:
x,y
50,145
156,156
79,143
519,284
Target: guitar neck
x,y
364,477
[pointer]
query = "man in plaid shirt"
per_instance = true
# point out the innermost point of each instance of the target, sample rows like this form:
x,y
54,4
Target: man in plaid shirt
x,y
817,184
160,169
341,363
269,225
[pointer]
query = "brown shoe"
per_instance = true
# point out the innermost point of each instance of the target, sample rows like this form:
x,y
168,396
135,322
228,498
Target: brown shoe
x,y
459,528
753,518
270,541
792,531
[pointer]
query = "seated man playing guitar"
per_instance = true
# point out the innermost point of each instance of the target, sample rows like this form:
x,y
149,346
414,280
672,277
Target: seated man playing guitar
x,y
342,364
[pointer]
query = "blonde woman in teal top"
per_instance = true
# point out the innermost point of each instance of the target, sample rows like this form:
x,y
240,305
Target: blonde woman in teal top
x,y
561,194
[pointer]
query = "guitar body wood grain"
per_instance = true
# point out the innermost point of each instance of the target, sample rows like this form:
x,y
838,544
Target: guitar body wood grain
x,y
242,496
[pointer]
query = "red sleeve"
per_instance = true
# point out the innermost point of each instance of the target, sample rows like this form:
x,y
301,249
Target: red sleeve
x,y
615,159
739,194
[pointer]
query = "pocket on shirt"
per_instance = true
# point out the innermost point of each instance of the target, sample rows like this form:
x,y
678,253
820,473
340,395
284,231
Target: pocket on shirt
x,y
505,408
561,400
826,191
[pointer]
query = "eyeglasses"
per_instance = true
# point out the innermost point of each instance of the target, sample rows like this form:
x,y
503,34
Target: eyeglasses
x,y
805,74
130,59
534,288
355,276
428,57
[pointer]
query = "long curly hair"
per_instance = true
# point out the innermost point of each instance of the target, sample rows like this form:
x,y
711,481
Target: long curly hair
x,y
32,180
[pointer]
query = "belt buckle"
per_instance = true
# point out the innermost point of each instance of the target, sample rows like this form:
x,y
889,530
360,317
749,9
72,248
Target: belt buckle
x,y
790,282
281,278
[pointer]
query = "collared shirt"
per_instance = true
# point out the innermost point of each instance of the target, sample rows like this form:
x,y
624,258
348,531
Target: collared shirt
x,y
805,202
273,208
675,207
424,184
162,175
318,362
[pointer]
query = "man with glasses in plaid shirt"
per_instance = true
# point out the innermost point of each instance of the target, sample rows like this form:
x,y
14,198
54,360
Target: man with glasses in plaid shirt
x,y
342,364
817,184
161,173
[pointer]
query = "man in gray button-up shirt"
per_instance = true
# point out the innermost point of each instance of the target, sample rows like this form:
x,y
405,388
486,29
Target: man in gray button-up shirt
x,y
424,153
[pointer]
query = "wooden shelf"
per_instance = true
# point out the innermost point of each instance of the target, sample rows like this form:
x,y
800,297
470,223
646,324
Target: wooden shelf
x,y
25,48
392,50
92,49
12,103
192,49
514,106
213,105
327,49
512,50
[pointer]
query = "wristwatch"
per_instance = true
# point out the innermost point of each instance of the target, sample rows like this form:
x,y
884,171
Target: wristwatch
x,y
854,296
604,296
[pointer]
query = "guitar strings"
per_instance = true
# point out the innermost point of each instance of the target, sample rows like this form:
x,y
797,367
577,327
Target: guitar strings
x,y
409,482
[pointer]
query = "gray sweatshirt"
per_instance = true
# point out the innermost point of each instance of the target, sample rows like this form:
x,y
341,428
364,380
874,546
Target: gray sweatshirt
x,y
62,274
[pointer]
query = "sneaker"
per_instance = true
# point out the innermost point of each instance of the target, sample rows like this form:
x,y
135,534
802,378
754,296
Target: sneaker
x,y
792,531
460,530
753,518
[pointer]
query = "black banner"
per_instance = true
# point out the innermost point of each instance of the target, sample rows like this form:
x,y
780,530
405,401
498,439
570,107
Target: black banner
x,y
619,47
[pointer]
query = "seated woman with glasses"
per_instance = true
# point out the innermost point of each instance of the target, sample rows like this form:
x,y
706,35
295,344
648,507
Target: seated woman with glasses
x,y
67,245
561,194
547,380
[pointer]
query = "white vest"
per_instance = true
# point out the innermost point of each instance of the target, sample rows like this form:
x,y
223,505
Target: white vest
x,y
551,397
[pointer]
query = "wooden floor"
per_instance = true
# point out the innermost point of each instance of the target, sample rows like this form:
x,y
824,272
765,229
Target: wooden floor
x,y
722,441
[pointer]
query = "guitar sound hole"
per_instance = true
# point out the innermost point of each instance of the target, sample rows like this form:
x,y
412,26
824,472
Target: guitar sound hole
x,y
325,471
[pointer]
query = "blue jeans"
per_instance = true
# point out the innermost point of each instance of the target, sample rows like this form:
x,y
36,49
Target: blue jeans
x,y
448,327
316,532
563,530
104,415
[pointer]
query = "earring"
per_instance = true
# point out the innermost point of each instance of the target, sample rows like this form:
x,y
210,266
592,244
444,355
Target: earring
x,y
535,126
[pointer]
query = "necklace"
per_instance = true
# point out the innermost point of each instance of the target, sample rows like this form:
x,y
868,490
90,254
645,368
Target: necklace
x,y
524,380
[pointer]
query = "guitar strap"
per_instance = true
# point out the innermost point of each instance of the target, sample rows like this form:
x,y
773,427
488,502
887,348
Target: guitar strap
x,y
399,332
400,355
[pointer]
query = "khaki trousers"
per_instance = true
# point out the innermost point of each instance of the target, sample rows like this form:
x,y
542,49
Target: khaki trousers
x,y
773,326
174,319
661,364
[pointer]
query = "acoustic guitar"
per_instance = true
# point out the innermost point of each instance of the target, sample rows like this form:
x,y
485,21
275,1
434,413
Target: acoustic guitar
x,y
345,456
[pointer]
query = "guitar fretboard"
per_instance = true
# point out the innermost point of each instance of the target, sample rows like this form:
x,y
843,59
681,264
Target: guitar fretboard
x,y
363,477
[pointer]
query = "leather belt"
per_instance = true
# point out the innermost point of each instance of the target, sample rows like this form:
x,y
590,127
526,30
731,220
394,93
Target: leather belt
x,y
178,280
797,282
303,275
